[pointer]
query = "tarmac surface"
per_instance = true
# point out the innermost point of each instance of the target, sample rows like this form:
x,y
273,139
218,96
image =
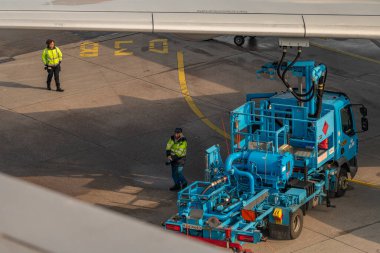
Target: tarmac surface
x,y
102,140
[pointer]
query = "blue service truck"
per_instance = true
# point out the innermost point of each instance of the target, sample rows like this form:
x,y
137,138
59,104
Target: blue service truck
x,y
291,151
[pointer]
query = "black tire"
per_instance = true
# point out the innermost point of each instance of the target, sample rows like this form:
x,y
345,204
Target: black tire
x,y
239,40
342,182
296,224
292,231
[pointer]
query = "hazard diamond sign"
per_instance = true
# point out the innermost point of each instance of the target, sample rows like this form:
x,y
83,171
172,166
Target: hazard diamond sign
x,y
325,128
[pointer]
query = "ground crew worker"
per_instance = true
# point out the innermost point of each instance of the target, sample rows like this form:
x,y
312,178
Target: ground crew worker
x,y
176,156
52,57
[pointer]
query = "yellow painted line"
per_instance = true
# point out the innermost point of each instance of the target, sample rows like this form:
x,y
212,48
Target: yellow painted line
x,y
360,57
364,183
189,99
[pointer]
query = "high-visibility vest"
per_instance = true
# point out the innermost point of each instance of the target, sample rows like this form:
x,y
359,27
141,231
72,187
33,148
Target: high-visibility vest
x,y
51,57
177,147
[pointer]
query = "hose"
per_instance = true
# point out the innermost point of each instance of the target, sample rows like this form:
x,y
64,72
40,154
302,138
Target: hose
x,y
298,96
311,92
282,76
221,180
321,89
289,66
280,63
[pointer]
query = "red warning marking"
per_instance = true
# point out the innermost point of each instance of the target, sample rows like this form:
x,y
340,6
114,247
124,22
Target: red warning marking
x,y
325,128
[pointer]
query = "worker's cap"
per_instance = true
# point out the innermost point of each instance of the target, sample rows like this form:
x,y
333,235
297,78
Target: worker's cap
x,y
178,130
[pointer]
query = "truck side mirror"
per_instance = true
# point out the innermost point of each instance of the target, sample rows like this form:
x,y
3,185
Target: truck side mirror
x,y
364,124
363,112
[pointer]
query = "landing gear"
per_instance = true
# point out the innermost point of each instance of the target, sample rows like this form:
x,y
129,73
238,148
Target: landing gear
x,y
239,40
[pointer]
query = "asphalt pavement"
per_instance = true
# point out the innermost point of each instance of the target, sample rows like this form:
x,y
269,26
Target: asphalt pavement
x,y
103,139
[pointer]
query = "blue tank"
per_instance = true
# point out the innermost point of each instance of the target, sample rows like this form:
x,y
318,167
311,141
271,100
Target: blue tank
x,y
271,165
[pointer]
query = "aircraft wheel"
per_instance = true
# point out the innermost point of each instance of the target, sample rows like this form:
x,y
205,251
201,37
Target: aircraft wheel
x,y
239,40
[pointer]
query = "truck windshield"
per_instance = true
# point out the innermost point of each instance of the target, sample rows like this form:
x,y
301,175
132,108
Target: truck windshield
x,y
347,123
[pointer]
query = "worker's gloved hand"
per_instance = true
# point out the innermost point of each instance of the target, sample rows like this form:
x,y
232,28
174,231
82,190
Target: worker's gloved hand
x,y
46,67
169,160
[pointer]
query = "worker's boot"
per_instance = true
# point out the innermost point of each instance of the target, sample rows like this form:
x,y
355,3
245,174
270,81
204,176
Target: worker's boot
x,y
48,87
175,187
59,89
183,185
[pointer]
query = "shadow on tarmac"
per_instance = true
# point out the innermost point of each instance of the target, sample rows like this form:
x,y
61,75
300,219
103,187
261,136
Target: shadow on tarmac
x,y
19,86
111,156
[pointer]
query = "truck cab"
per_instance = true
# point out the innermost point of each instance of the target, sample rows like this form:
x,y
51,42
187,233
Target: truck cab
x,y
339,148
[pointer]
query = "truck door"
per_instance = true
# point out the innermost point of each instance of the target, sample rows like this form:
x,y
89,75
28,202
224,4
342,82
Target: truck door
x,y
348,144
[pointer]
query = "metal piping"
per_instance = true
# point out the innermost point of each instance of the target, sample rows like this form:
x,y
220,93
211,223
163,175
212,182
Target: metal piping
x,y
228,165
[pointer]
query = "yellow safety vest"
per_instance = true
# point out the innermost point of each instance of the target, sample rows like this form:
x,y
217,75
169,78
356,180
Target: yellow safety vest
x,y
177,147
51,57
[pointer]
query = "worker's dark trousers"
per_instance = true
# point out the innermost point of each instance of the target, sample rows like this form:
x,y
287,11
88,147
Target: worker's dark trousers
x,y
53,71
177,174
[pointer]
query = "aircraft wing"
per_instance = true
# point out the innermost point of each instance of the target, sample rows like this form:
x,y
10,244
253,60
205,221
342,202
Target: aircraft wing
x,y
280,18
35,219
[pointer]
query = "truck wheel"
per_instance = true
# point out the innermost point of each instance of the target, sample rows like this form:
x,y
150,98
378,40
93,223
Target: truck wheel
x,y
281,232
342,182
296,224
239,40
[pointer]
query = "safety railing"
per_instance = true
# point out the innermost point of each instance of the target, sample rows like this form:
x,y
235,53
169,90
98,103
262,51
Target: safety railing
x,y
278,124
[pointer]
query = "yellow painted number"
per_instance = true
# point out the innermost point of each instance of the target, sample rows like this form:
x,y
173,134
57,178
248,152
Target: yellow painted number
x,y
89,49
120,50
160,46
